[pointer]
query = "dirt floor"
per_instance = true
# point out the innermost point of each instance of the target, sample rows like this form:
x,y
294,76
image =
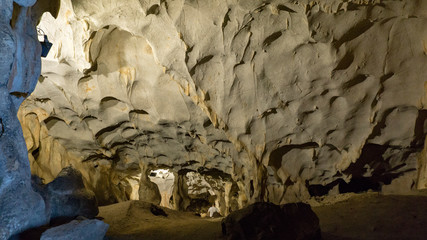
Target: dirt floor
x,y
133,220
375,216
350,217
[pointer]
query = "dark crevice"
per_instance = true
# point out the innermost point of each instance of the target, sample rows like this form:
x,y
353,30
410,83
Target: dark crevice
x,y
155,9
324,92
109,129
187,54
355,32
317,190
420,129
184,171
108,99
353,82
269,112
281,7
207,123
36,153
2,127
332,100
42,100
200,62
213,172
273,37
189,163
98,156
51,121
345,62
251,189
19,94
226,19
138,111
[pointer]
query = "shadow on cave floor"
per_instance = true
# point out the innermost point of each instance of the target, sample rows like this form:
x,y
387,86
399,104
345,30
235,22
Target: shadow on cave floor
x,y
374,216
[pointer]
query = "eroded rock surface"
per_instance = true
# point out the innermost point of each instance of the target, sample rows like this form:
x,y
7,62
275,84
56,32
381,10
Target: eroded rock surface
x,y
281,100
67,196
20,207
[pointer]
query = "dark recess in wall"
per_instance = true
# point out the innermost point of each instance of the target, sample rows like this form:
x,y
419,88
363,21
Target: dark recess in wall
x,y
383,173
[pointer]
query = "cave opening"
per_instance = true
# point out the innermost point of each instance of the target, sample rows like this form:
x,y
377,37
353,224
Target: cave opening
x,y
164,179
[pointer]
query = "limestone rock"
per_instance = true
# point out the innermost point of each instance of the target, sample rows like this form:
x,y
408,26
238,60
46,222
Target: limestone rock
x,y
286,97
269,221
77,230
20,207
68,197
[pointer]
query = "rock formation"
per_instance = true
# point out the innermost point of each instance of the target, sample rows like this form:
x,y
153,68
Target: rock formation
x,y
21,208
66,197
276,100
27,204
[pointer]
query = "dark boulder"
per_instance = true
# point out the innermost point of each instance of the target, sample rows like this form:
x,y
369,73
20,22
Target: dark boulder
x,y
66,196
295,221
157,211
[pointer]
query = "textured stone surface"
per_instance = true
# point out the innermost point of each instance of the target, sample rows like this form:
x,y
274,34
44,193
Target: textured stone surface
x,y
67,196
281,99
269,221
20,207
77,230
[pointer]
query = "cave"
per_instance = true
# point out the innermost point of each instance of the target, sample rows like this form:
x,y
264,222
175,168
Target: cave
x,y
131,119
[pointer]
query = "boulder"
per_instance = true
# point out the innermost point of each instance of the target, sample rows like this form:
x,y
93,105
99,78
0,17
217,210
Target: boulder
x,y
77,230
269,221
66,196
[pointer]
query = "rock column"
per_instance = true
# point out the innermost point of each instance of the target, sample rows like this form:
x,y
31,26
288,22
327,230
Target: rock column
x,y
20,207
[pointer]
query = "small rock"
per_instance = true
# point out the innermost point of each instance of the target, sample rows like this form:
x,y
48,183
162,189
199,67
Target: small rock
x,y
157,211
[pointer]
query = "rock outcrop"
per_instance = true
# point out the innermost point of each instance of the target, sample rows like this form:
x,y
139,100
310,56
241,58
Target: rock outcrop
x,y
278,100
67,196
20,207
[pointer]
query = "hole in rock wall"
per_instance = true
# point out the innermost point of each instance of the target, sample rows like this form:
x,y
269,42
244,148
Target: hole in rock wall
x,y
164,179
201,190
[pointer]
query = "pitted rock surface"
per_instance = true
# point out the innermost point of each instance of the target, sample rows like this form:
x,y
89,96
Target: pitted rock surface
x,y
282,99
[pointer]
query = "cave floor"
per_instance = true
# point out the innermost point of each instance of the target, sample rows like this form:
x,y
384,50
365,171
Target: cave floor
x,y
355,217
133,220
375,216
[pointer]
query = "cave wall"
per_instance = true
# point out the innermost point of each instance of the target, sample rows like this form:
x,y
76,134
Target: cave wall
x,y
281,99
20,207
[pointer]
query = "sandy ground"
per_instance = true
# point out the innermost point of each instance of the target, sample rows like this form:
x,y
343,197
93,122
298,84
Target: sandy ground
x,y
374,216
134,220
352,217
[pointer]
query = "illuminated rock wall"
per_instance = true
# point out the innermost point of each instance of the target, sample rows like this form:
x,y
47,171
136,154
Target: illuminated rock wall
x,y
282,100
